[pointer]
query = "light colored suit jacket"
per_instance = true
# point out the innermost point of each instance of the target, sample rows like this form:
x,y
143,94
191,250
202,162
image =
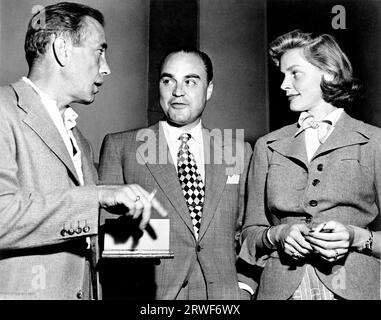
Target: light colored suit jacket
x,y
222,216
39,197
342,182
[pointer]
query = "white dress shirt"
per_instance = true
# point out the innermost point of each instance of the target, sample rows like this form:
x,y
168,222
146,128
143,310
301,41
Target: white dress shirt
x,y
311,135
196,144
54,113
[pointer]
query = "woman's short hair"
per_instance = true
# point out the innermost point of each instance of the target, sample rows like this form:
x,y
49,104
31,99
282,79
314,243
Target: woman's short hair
x,y
323,52
64,18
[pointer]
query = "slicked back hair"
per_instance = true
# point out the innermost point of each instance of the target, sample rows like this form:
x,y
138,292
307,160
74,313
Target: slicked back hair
x,y
61,19
203,56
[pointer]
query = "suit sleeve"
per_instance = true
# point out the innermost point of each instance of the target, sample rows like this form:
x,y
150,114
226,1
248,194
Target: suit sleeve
x,y
244,272
110,163
376,224
110,170
255,220
32,218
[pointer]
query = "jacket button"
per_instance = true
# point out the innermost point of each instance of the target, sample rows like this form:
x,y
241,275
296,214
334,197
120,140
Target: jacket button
x,y
79,230
198,248
313,203
315,182
63,232
80,294
320,167
71,231
86,229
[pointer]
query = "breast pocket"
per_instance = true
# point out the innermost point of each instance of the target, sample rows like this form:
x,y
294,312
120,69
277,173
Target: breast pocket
x,y
356,179
286,173
286,182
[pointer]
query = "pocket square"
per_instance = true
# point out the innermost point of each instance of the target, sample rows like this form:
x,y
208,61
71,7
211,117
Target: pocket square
x,y
233,179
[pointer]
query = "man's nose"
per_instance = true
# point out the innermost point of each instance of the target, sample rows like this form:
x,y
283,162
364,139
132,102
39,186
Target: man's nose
x,y
178,90
104,68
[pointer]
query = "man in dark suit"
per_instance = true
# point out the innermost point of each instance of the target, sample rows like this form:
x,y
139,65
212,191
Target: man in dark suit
x,y
190,166
49,201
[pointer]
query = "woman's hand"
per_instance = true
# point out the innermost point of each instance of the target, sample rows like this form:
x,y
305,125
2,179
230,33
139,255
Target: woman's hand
x,y
290,238
331,240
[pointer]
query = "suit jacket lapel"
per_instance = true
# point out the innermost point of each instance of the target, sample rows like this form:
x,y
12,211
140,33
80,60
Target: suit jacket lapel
x,y
39,121
165,175
215,181
88,170
347,132
291,147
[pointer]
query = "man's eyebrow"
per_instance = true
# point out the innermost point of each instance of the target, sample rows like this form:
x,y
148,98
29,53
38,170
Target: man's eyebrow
x,y
166,74
192,75
188,76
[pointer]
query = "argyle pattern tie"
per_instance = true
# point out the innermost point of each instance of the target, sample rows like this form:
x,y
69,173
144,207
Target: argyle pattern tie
x,y
191,182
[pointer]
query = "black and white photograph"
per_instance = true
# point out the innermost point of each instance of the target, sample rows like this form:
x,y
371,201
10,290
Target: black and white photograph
x,y
211,153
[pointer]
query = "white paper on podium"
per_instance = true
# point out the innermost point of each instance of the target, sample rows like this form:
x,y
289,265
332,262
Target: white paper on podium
x,y
153,243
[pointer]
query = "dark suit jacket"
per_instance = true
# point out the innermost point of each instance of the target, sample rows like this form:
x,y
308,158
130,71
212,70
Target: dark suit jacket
x,y
39,196
126,158
342,182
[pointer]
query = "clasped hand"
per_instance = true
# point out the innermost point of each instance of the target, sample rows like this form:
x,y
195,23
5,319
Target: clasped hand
x,y
330,240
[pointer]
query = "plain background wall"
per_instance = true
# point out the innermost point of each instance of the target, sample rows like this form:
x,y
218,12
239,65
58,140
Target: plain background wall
x,y
121,103
233,33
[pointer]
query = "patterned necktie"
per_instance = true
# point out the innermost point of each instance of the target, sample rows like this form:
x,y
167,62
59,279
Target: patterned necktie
x,y
191,182
306,120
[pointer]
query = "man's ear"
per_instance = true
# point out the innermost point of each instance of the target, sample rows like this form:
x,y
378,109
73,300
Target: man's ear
x,y
209,90
60,50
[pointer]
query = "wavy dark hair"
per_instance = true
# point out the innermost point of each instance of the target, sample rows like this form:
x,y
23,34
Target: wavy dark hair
x,y
64,18
323,52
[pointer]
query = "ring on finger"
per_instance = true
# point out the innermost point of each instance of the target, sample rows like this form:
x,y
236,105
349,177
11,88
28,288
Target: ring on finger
x,y
296,255
336,254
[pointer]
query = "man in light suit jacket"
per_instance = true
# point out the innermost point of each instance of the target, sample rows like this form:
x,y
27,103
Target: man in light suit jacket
x,y
191,167
49,203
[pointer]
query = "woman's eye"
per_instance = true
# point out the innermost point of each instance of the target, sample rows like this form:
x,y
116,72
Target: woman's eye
x,y
295,74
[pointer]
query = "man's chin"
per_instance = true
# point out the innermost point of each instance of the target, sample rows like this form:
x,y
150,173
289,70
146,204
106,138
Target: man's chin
x,y
88,101
176,123
183,122
178,119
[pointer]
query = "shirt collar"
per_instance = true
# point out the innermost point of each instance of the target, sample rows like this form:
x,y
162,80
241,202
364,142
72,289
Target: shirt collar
x,y
173,133
69,115
333,116
42,94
